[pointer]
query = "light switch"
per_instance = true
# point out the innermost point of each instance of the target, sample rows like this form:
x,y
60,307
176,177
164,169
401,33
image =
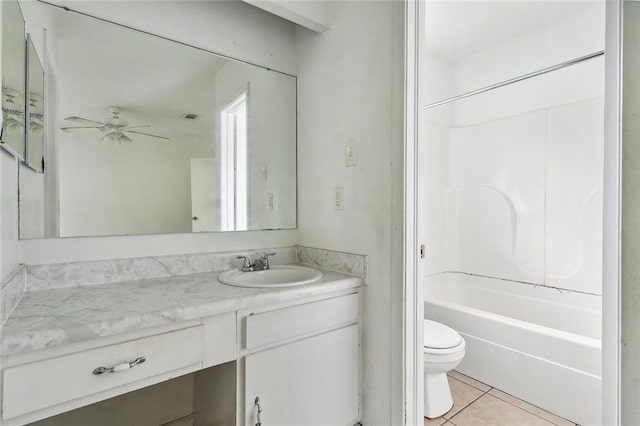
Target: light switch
x,y
351,153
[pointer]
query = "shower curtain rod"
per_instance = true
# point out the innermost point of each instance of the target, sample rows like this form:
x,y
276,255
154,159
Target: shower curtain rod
x,y
517,79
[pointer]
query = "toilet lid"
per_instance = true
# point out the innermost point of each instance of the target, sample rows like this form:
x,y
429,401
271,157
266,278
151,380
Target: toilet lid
x,y
439,336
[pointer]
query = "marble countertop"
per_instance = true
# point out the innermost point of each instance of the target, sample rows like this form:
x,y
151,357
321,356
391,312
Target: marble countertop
x,y
49,318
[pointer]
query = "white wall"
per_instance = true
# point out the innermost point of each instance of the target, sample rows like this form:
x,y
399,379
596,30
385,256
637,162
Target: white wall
x,y
142,187
8,213
630,235
32,203
349,79
571,37
232,28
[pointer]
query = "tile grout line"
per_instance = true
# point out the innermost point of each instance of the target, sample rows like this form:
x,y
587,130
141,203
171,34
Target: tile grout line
x,y
527,411
466,406
501,399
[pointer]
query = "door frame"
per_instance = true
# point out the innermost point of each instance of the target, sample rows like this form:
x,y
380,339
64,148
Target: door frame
x,y
413,308
612,249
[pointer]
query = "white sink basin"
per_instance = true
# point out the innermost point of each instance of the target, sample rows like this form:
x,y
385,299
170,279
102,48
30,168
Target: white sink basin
x,y
276,276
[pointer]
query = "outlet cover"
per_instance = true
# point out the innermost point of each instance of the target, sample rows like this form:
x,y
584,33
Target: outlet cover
x,y
338,198
268,205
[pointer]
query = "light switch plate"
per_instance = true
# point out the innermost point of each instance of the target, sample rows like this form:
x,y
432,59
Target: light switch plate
x,y
351,153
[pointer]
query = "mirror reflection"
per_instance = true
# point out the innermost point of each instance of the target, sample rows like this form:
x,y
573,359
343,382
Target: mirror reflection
x,y
12,137
35,109
152,136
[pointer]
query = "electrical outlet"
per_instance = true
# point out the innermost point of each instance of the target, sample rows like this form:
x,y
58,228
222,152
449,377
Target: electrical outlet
x,y
338,198
350,153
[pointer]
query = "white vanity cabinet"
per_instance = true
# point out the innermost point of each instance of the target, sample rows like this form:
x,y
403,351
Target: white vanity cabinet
x,y
45,383
59,380
303,364
299,355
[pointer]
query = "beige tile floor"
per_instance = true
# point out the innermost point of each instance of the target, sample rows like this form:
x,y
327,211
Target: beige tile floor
x,y
477,404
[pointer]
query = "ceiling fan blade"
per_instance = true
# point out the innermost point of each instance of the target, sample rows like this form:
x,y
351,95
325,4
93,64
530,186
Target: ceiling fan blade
x,y
88,127
146,134
136,127
84,120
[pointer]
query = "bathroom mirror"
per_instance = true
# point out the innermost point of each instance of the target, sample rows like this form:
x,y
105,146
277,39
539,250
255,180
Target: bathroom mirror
x,y
34,155
149,136
12,137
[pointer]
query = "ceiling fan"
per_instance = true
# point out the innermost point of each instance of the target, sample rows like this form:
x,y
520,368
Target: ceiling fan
x,y
114,127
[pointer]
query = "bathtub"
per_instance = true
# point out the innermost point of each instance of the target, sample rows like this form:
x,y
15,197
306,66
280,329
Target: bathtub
x,y
537,343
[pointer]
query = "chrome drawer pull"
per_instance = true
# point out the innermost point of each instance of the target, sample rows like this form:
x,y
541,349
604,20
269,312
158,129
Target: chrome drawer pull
x,y
120,367
259,417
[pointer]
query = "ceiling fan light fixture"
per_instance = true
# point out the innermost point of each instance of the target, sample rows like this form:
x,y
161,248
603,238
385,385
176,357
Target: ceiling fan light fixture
x,y
13,123
116,137
113,127
122,138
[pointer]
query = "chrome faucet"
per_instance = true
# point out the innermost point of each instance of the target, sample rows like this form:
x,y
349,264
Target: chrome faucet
x,y
261,264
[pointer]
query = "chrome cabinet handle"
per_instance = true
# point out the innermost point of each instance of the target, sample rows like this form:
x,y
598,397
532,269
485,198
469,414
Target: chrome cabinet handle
x,y
120,367
259,417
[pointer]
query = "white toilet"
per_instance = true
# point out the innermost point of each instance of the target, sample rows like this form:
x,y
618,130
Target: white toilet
x,y
443,351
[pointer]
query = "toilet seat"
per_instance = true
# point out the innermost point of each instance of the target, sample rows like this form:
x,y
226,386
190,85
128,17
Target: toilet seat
x,y
444,349
438,338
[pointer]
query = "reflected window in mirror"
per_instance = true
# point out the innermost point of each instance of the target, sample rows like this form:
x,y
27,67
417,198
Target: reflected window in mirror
x,y
233,152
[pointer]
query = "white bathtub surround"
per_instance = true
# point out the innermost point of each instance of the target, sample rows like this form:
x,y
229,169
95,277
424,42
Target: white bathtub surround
x,y
12,289
347,263
537,343
514,174
516,204
54,317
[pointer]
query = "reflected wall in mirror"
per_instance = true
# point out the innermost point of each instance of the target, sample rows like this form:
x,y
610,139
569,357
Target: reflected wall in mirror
x,y
152,136
12,136
34,157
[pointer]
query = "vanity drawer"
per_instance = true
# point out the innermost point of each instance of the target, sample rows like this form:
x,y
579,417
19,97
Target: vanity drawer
x,y
287,323
42,384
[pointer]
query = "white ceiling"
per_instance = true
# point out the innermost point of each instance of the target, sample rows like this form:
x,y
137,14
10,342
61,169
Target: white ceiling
x,y
154,81
456,29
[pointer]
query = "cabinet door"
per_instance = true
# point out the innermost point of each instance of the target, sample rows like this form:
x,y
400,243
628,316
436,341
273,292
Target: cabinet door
x,y
314,381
